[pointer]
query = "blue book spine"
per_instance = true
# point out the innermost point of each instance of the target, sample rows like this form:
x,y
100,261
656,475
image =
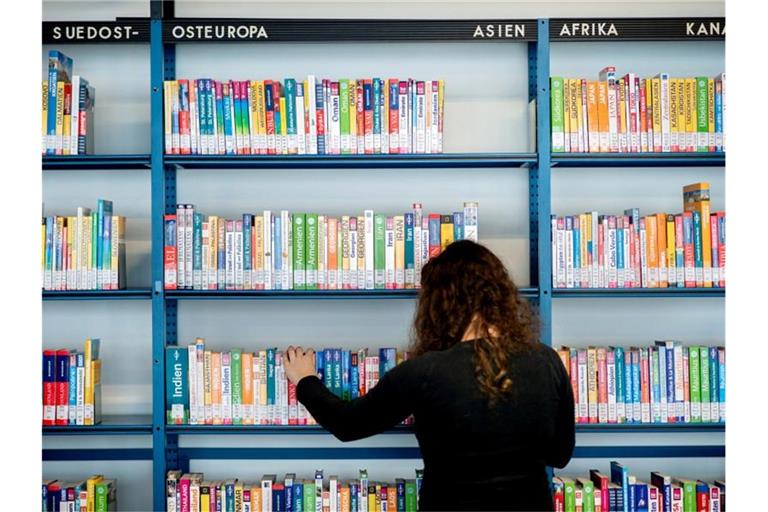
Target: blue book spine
x,y
209,113
290,106
55,501
72,398
247,250
270,378
655,386
721,382
229,496
277,94
59,68
458,225
328,373
400,485
320,106
354,377
635,383
619,477
627,362
353,502
619,251
714,383
288,497
376,83
228,121
298,497
320,365
576,252
278,498
697,248
277,253
99,238
641,497
409,250
346,392
618,360
434,232
200,98
383,356
337,372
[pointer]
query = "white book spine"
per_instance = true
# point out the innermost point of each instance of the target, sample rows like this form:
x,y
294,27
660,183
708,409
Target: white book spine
x,y
611,382
194,126
613,107
421,117
569,281
192,368
663,405
471,226
417,260
311,95
353,253
239,255
181,220
403,120
389,255
285,248
268,224
74,111
189,213
679,391
368,215
434,118
666,134
582,385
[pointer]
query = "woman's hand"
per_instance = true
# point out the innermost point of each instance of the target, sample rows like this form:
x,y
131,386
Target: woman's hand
x,y
299,363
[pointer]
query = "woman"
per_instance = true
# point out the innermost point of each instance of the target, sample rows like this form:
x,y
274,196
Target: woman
x,y
492,406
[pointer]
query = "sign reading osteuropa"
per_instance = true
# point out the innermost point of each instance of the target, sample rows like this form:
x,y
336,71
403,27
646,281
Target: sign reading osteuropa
x,y
637,29
315,30
129,31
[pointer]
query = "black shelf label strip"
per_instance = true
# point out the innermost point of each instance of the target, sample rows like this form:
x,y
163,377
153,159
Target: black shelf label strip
x,y
134,30
319,30
637,29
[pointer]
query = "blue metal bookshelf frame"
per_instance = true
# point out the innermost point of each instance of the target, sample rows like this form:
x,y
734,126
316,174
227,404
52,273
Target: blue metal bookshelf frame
x,y
166,452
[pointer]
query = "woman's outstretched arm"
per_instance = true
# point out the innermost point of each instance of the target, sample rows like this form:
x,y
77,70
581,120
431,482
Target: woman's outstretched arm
x,y
382,407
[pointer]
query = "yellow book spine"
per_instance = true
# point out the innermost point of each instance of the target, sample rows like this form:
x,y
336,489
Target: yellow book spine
x,y
96,390
656,93
682,137
711,118
216,388
575,99
673,107
661,243
581,117
59,117
45,114
649,112
207,410
88,394
624,122
253,116
283,124
446,231
602,116
90,487
238,495
261,118
671,265
205,502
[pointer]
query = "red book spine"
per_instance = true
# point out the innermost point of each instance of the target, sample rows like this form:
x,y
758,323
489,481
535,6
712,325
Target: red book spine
x,y
602,387
292,420
62,387
184,117
679,249
559,500
67,112
702,501
645,394
715,244
721,246
169,253
360,117
49,387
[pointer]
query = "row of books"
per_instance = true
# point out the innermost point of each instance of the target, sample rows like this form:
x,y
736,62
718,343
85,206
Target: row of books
x,y
190,492
308,251
93,494
237,387
72,385
630,114
85,251
68,101
310,117
660,250
620,491
663,383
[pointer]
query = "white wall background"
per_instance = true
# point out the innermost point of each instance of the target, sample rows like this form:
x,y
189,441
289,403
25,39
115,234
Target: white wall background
x,y
486,85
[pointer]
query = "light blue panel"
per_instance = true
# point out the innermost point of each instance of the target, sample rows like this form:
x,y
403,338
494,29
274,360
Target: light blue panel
x,y
486,85
124,328
134,478
120,75
63,192
501,195
679,59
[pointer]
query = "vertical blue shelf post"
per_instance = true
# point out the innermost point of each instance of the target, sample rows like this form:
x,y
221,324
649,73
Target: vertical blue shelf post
x,y
540,180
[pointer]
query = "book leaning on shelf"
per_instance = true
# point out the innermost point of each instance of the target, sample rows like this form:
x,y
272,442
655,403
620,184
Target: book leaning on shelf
x,y
94,494
237,387
67,102
85,251
660,250
191,491
621,491
310,117
308,251
629,114
72,385
663,383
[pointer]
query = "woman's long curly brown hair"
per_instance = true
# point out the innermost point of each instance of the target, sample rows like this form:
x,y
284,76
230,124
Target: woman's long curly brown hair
x,y
468,281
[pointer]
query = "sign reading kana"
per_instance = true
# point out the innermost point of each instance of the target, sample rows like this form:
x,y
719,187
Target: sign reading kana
x,y
136,31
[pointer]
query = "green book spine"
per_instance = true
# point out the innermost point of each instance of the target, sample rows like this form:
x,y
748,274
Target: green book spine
x,y
270,383
379,257
588,495
702,114
101,491
694,382
311,247
344,115
556,114
309,497
299,252
689,496
237,385
410,496
704,370
569,487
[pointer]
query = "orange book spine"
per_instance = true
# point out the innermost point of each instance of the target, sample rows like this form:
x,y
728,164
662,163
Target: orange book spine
x,y
247,386
652,252
661,248
593,130
602,117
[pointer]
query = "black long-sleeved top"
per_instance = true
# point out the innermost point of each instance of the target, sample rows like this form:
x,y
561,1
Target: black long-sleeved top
x,y
476,457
